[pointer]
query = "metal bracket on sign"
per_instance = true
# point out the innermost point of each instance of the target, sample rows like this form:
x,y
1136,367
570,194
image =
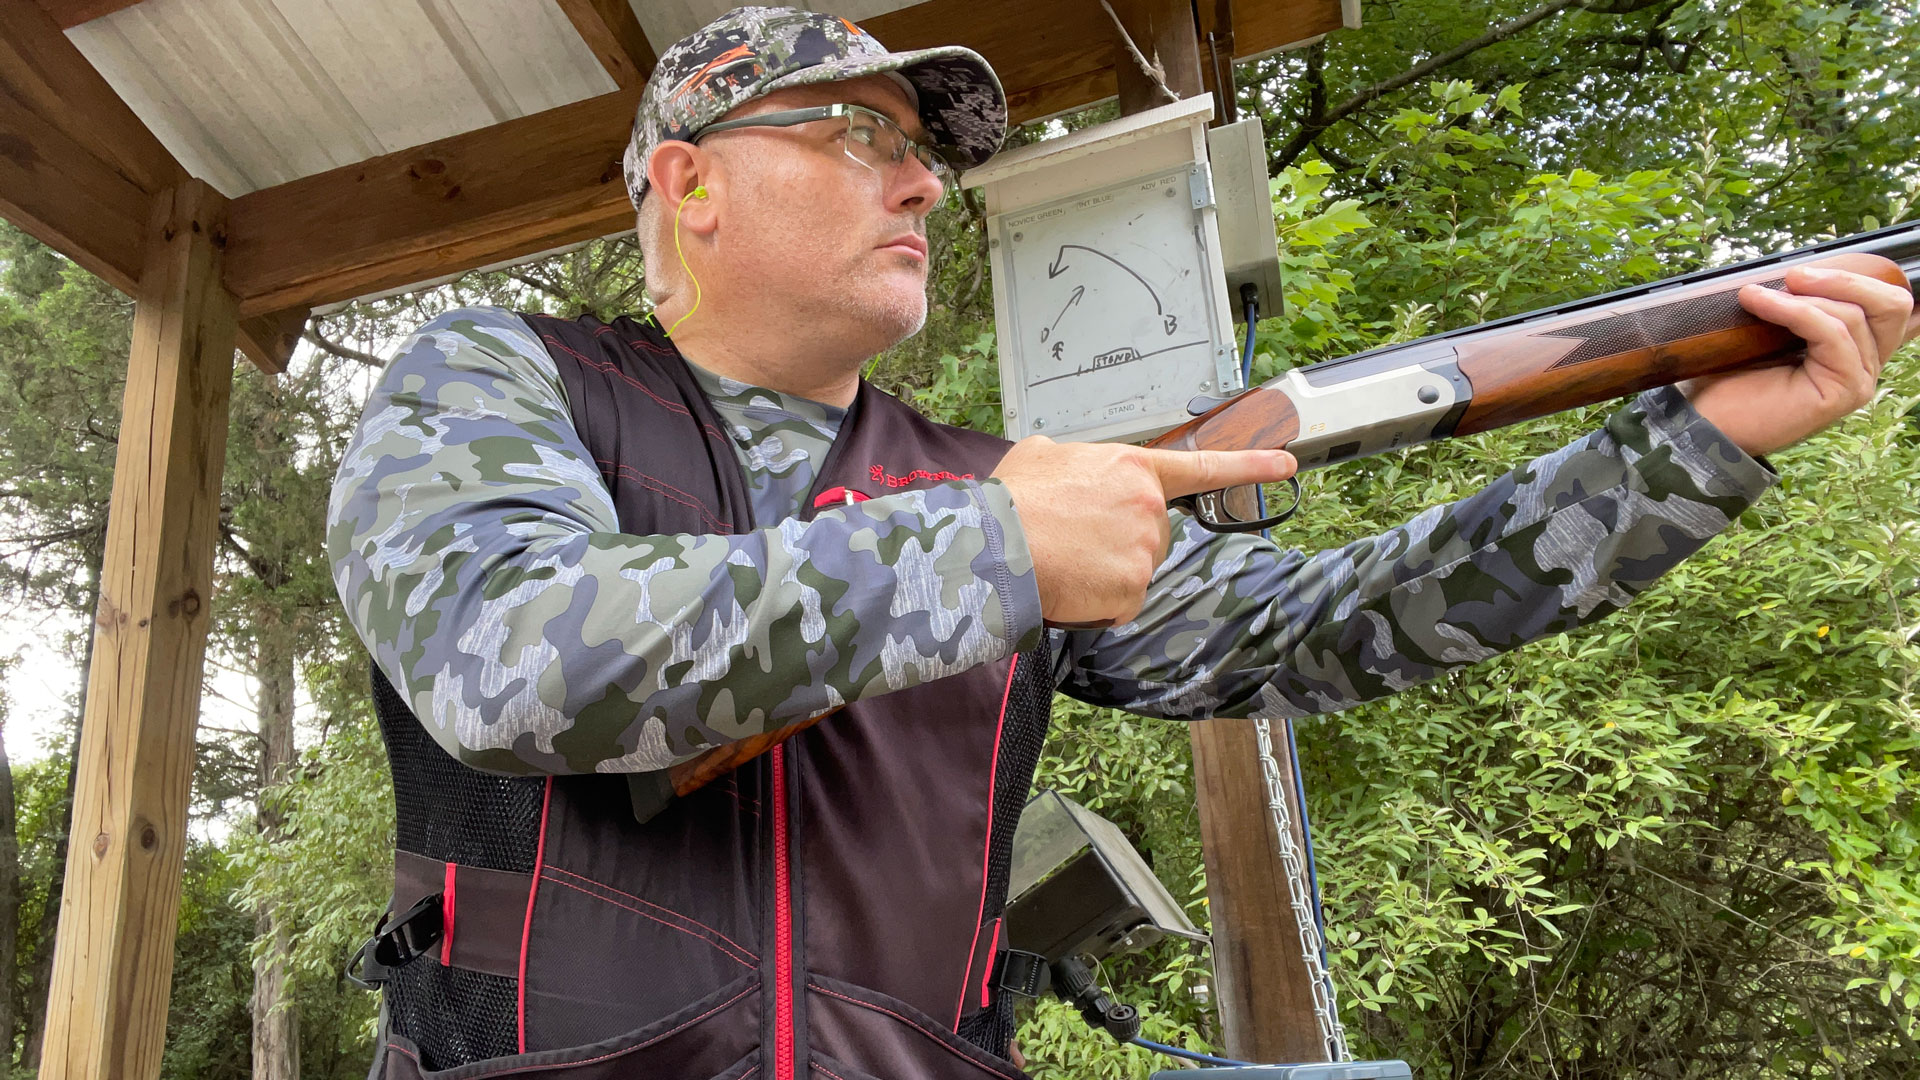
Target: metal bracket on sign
x,y
1200,185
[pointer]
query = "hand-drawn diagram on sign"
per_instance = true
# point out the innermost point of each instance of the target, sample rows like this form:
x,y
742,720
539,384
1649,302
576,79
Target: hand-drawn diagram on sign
x,y
1110,310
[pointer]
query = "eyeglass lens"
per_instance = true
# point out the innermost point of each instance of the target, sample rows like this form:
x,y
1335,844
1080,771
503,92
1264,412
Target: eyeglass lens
x,y
880,145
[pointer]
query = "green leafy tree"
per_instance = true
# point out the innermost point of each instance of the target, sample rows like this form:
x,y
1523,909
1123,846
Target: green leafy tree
x,y
1678,843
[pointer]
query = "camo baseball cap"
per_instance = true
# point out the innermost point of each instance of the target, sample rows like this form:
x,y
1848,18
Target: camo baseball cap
x,y
752,51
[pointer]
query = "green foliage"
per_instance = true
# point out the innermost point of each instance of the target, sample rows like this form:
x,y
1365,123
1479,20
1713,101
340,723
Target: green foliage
x,y
63,346
328,870
39,789
1688,829
965,388
209,1016
1808,97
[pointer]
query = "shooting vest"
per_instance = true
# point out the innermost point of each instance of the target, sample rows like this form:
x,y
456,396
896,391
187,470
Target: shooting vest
x,y
831,909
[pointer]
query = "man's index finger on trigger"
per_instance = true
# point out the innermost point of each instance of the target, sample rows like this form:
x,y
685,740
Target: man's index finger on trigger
x,y
1189,472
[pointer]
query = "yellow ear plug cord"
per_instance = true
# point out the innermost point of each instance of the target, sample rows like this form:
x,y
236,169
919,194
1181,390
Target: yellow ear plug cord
x,y
696,193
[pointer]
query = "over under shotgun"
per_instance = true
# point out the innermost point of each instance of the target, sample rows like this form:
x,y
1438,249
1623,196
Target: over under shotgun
x,y
1483,377
1461,383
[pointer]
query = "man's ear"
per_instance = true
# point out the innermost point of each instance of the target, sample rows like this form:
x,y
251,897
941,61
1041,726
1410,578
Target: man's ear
x,y
677,170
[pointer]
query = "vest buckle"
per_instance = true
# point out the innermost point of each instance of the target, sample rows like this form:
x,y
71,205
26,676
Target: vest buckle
x,y
1021,972
395,944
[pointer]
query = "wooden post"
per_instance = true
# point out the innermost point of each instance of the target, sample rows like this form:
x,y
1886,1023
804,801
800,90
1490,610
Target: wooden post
x,y
112,962
1163,32
1261,985
1219,49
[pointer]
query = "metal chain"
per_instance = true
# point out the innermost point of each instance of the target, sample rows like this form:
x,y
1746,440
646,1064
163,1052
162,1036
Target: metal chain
x,y
1333,1036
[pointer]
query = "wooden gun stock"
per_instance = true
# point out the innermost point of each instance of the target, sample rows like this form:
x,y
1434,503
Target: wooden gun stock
x,y
690,776
653,792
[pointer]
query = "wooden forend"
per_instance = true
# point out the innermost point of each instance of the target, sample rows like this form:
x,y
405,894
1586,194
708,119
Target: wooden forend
x,y
1538,369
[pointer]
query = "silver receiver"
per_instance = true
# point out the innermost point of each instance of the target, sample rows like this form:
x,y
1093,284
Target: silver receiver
x,y
1368,413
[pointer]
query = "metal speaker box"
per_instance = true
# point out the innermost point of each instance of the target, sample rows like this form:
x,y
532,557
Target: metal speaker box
x,y
1079,888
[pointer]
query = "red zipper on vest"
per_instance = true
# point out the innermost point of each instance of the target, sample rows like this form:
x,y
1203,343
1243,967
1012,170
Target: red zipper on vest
x,y
782,925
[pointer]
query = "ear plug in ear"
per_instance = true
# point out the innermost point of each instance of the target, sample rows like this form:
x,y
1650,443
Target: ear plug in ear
x,y
700,192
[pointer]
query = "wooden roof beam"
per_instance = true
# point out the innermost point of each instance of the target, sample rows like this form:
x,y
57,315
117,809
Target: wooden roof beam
x,y
533,183
71,13
68,199
614,34
543,181
516,188
43,74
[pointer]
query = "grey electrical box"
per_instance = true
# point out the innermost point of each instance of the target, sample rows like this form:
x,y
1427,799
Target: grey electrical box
x,y
1109,289
1330,1070
1077,888
1248,246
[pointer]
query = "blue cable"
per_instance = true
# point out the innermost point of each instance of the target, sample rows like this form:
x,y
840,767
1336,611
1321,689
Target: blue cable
x,y
1190,1055
1306,830
1252,311
1246,355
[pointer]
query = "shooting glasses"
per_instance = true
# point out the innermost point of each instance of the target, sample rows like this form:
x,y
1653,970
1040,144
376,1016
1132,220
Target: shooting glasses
x,y
871,139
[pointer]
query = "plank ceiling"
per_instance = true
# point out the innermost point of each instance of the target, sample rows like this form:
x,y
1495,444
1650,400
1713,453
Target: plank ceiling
x,y
248,94
252,93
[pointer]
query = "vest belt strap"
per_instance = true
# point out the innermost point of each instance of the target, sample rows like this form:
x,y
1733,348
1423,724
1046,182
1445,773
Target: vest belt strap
x,y
488,908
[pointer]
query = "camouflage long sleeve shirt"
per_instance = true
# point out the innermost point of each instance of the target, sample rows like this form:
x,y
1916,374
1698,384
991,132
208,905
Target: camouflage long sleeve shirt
x,y
478,555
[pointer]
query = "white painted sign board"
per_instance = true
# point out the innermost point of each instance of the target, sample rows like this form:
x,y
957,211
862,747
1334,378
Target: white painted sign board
x,y
1108,284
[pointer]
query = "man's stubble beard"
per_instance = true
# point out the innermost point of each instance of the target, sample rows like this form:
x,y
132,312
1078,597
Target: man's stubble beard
x,y
878,312
867,304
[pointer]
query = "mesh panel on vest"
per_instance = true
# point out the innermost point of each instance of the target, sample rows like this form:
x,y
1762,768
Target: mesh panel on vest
x,y
453,1015
1029,711
447,811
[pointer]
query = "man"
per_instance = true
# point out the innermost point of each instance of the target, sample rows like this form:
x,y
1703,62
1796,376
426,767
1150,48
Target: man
x,y
581,552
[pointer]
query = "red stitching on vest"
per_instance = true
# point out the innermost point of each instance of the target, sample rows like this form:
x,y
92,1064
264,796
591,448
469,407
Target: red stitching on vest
x,y
645,915
986,977
818,989
751,806
610,368
986,848
661,487
677,1029
824,1069
657,907
526,930
652,348
640,344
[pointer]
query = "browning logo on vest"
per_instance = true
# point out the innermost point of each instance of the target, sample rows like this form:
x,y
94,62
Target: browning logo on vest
x,y
833,906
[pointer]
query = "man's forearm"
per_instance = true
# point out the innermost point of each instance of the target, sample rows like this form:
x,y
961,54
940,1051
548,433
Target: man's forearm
x,y
1236,626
